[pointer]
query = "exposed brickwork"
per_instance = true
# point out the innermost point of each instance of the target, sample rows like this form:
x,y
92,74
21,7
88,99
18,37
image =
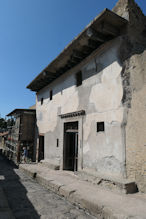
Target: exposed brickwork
x,y
133,56
136,128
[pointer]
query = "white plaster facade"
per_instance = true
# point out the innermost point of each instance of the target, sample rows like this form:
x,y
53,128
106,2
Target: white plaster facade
x,y
100,95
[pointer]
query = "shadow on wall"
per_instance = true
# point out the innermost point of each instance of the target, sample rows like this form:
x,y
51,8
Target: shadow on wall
x,y
15,192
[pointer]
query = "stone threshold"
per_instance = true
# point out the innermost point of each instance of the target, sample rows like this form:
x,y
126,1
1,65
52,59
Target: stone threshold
x,y
122,185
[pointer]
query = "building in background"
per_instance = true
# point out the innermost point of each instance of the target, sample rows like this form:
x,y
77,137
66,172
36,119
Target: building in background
x,y
3,138
90,103
22,134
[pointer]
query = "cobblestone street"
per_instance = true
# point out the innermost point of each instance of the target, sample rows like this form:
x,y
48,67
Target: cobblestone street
x,y
29,200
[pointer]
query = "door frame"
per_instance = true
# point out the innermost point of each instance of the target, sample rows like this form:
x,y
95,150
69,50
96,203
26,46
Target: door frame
x,y
70,129
78,119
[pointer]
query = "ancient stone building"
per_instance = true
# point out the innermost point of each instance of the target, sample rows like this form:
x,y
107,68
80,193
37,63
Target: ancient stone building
x,y
3,138
91,105
21,134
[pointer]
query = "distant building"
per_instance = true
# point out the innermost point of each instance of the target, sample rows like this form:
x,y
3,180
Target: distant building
x,y
3,138
22,134
90,100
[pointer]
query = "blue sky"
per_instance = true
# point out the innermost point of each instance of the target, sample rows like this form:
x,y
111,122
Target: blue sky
x,y
32,34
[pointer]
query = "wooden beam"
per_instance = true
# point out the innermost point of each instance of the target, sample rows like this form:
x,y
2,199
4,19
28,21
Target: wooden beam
x,y
36,88
109,29
94,35
59,72
93,44
65,68
71,63
87,50
68,66
50,74
40,84
75,59
50,77
78,54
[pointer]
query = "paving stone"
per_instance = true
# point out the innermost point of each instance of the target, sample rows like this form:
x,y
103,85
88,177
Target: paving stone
x,y
29,200
99,201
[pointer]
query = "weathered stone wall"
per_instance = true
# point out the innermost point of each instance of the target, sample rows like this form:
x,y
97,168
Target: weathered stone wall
x,y
136,122
133,55
100,95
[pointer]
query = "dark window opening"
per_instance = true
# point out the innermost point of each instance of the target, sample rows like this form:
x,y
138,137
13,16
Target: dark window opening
x,y
57,143
42,100
41,148
79,78
100,126
51,94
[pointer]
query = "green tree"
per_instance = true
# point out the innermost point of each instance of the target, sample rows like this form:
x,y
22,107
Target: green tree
x,y
3,123
10,122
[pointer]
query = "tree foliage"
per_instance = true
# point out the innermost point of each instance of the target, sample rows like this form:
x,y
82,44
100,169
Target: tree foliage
x,y
4,124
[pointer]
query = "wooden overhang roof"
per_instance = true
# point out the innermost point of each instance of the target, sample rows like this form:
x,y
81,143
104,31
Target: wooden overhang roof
x,y
106,26
18,111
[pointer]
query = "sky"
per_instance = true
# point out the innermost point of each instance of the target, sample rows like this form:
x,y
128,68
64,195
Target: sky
x,y
32,34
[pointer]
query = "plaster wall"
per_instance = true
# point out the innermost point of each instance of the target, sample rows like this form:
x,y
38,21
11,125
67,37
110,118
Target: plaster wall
x,y
100,96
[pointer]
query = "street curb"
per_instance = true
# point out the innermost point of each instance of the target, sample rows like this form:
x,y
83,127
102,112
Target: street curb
x,y
76,197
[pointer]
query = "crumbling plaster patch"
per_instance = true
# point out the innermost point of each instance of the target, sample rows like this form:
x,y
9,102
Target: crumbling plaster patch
x,y
110,89
47,113
46,116
107,117
70,101
110,143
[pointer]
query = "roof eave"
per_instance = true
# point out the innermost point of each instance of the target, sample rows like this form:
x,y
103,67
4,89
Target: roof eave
x,y
47,76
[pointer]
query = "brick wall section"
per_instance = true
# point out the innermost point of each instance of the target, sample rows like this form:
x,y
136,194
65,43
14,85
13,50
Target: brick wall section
x,y
133,56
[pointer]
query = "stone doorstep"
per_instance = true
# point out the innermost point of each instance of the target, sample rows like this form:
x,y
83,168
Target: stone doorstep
x,y
50,165
120,185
